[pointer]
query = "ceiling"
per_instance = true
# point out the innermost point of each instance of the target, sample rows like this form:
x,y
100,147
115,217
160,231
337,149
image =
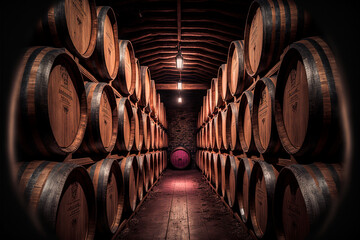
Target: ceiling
x,y
204,29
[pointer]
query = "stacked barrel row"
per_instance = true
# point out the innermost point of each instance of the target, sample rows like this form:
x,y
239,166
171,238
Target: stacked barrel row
x,y
82,94
276,98
83,203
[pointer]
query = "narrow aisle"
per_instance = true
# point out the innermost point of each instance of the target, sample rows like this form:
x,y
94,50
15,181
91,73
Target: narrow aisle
x,y
183,206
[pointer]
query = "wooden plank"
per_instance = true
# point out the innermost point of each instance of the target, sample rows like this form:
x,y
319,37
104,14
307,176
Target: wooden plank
x,y
185,86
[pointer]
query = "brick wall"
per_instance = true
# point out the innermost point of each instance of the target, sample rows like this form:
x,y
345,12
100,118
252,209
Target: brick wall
x,y
182,119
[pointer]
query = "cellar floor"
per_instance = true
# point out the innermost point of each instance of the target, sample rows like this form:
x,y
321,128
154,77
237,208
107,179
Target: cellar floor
x,y
183,206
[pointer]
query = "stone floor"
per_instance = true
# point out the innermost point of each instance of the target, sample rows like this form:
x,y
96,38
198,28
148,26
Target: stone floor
x,y
183,206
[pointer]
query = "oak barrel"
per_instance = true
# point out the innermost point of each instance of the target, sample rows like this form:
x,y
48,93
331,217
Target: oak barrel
x,y
153,99
130,172
303,196
212,169
145,86
156,165
150,163
147,131
243,182
126,77
223,86
232,186
142,177
237,78
61,195
223,158
126,126
101,131
261,194
245,125
165,159
144,174
213,130
218,130
271,25
217,172
214,94
306,104
231,128
211,134
265,134
138,133
108,186
52,113
72,24
136,95
104,62
180,158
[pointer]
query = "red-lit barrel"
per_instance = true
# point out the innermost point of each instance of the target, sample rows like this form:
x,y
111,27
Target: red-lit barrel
x,y
180,158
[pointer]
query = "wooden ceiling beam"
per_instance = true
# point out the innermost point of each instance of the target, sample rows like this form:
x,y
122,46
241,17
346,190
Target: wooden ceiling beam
x,y
171,62
185,86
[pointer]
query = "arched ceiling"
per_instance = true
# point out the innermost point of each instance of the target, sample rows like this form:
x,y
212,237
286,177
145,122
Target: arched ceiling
x,y
203,28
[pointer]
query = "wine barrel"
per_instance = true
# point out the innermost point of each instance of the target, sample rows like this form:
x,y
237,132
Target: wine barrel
x,y
165,159
139,134
61,195
156,165
211,134
205,110
223,85
271,25
156,136
145,86
161,162
217,172
147,131
162,114
265,135
245,125
126,126
102,127
223,158
218,130
157,110
72,24
108,185
228,165
197,158
52,114
212,169
153,99
126,78
180,158
130,172
206,136
306,104
135,97
303,196
231,128
104,62
237,78
243,180
261,193
143,177
152,134
232,179
214,95
150,164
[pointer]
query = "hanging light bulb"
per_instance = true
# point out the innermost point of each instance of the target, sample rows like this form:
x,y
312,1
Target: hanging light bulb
x,y
179,99
179,58
179,86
